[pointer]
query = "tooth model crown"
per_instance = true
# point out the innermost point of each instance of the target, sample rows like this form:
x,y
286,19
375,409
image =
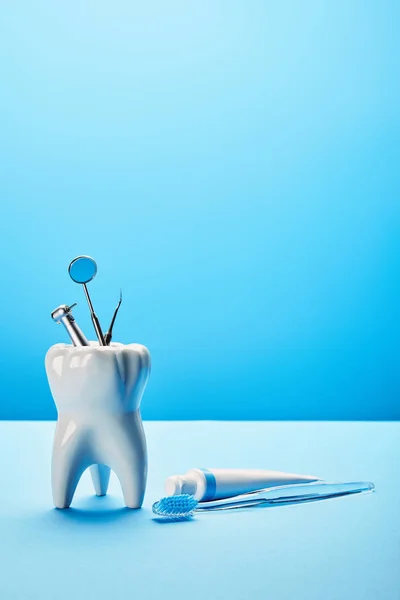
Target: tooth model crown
x,y
97,391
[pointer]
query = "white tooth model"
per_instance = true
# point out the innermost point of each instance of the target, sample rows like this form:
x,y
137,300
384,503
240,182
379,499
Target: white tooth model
x,y
97,391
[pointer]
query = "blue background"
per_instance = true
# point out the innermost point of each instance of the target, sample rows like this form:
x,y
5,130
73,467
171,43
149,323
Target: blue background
x,y
233,166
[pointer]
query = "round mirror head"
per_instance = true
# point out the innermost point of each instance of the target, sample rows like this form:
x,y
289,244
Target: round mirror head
x,y
82,269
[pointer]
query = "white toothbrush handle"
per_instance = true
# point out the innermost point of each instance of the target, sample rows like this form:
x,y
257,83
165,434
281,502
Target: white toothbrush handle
x,y
289,494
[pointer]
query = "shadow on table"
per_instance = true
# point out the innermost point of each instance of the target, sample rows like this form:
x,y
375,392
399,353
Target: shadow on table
x,y
94,510
170,520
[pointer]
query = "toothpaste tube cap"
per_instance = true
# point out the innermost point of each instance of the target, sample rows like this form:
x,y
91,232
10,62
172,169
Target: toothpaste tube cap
x,y
177,484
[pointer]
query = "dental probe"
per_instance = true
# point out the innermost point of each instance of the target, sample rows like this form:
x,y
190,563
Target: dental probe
x,y
62,314
108,335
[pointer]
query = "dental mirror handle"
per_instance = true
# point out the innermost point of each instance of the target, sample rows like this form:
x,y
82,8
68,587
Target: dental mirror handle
x,y
95,321
97,329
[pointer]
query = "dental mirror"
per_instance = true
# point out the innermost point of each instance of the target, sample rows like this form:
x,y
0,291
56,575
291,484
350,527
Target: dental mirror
x,y
82,270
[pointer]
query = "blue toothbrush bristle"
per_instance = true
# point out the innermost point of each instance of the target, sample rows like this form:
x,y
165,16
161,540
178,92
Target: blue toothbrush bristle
x,y
175,507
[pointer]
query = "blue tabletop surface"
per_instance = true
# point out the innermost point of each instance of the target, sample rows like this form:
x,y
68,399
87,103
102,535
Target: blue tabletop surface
x,y
342,549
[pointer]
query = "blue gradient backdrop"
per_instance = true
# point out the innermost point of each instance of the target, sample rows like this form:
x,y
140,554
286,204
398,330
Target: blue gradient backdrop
x,y
234,166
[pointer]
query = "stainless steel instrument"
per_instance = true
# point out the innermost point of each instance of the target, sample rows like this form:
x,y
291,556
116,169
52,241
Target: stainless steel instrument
x,y
82,270
62,314
108,335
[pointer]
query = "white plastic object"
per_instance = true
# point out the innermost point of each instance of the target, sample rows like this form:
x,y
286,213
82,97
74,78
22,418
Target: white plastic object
x,y
97,391
213,484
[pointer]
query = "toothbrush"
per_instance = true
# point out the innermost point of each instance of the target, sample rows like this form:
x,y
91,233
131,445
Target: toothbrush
x,y
184,506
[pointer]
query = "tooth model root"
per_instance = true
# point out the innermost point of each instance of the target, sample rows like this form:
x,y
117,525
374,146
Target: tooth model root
x,y
100,477
128,460
68,463
97,391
